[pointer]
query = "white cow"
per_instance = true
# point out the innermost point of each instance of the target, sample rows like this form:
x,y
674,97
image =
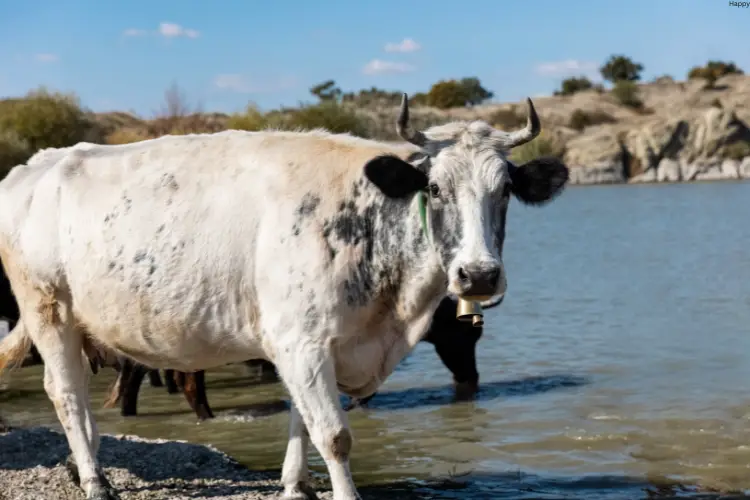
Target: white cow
x,y
324,254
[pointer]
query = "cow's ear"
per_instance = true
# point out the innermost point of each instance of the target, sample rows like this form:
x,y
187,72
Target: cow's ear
x,y
539,180
395,177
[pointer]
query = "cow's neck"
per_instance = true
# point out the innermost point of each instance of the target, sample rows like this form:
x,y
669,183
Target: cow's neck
x,y
408,266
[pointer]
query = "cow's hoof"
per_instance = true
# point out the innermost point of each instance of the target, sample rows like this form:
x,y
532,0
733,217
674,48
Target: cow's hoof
x,y
299,491
72,468
100,492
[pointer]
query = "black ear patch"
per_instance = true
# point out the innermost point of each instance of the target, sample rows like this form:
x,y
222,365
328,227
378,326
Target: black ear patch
x,y
395,177
539,180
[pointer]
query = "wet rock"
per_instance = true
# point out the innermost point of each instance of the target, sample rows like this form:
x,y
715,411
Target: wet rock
x,y
730,169
648,176
744,168
669,171
597,173
140,469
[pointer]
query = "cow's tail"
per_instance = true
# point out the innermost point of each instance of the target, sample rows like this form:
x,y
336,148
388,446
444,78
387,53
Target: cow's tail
x,y
14,347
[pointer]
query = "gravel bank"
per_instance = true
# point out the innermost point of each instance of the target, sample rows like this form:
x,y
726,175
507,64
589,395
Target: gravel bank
x,y
31,468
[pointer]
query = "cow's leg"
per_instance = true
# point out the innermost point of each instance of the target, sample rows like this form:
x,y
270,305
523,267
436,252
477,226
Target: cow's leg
x,y
131,387
66,384
155,379
295,472
308,372
170,381
195,393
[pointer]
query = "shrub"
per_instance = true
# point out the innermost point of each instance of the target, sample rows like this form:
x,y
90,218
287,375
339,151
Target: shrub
x,y
418,99
127,136
42,120
330,115
252,119
581,119
712,71
619,68
572,85
626,92
542,145
737,150
475,93
447,94
326,91
13,151
506,119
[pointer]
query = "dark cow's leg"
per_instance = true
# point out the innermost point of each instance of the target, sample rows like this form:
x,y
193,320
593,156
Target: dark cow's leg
x,y
195,393
455,343
131,387
155,379
169,379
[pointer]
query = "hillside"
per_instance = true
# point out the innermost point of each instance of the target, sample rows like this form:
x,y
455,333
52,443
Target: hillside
x,y
679,131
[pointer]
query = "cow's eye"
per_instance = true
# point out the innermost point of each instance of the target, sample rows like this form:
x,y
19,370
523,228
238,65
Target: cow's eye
x,y
434,190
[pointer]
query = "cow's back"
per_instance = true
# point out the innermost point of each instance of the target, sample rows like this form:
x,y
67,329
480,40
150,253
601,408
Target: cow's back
x,y
157,241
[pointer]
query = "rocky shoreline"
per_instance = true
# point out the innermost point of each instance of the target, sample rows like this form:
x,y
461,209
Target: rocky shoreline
x,y
667,171
140,469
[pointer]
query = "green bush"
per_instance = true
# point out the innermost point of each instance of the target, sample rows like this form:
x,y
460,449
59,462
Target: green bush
x,y
329,115
447,94
581,119
13,151
252,119
621,68
737,150
43,120
712,71
626,92
572,85
542,145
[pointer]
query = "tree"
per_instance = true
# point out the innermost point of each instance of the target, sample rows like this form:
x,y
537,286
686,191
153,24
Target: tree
x,y
713,70
475,93
447,94
572,85
326,91
621,68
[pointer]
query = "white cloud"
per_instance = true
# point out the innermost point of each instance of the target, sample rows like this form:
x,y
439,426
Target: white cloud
x,y
243,85
380,67
46,58
570,67
172,30
406,45
134,32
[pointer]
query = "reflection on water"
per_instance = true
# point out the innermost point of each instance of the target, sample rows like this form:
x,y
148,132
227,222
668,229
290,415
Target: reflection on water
x,y
618,364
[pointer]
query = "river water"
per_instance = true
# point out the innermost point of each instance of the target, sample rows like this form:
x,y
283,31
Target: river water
x,y
618,364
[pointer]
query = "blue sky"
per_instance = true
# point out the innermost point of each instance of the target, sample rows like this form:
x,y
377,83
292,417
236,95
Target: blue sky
x,y
123,55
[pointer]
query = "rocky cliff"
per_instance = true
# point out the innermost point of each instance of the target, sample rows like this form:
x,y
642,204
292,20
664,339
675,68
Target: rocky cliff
x,y
684,131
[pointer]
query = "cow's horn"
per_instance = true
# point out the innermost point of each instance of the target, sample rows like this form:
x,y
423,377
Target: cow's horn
x,y
511,140
405,131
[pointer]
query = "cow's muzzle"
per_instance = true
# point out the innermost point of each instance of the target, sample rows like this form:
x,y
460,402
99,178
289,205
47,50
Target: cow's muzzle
x,y
480,281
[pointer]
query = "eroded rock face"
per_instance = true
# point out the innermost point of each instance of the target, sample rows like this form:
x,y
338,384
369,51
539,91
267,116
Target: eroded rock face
x,y
692,146
669,171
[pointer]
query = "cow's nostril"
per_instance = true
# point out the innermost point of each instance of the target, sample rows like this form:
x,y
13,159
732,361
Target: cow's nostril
x,y
462,275
492,276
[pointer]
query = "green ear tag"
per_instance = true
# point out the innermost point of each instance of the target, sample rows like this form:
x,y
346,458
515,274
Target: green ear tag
x,y
422,204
